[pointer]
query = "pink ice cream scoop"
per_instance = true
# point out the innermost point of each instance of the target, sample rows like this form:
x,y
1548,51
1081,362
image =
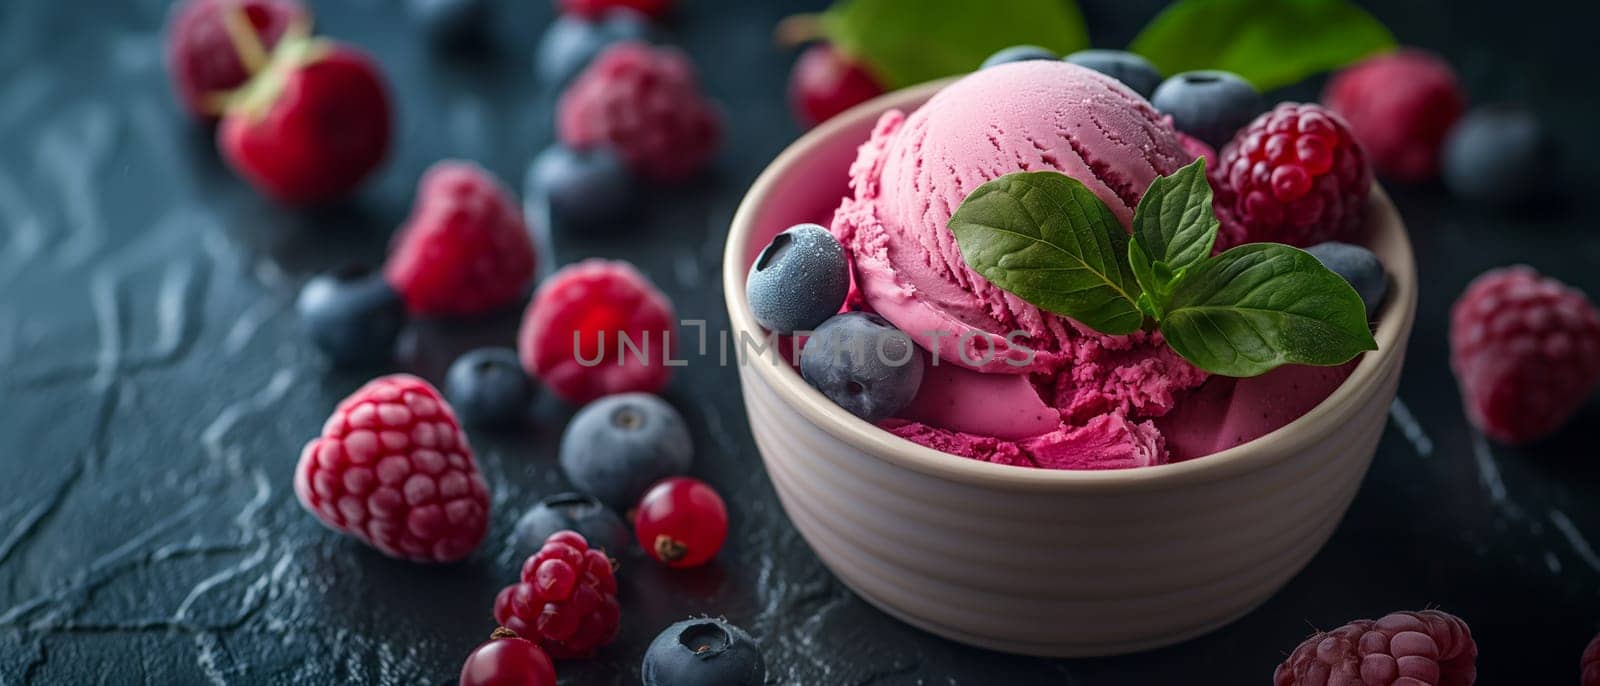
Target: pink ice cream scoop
x,y
1012,383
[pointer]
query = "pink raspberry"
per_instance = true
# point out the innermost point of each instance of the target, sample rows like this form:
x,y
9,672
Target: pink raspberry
x,y
596,328
1427,648
393,469
1400,106
1590,664
465,249
567,599
1526,352
645,102
1294,175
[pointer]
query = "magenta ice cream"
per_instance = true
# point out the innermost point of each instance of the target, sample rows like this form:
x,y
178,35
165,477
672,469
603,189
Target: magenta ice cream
x,y
1011,383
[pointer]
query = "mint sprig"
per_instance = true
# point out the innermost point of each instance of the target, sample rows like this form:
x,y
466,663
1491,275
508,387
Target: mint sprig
x,y
1048,239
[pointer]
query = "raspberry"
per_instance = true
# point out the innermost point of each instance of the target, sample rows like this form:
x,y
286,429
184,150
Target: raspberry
x,y
1526,352
596,328
393,469
1427,648
567,599
465,249
1294,175
594,9
1590,664
645,102
202,58
1400,106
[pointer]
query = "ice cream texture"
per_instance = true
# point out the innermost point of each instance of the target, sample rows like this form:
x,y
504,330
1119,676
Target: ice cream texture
x,y
1008,382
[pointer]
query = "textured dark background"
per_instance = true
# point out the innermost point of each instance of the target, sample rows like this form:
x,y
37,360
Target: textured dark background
x,y
154,394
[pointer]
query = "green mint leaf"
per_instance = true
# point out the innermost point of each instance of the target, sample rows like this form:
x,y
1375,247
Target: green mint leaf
x,y
1173,228
907,42
1271,43
1048,239
1262,305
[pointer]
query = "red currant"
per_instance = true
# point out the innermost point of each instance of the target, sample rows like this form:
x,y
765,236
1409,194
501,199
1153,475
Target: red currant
x,y
825,82
681,522
508,660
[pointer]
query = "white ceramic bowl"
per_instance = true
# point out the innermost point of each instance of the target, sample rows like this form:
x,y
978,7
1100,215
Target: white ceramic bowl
x,y
1045,562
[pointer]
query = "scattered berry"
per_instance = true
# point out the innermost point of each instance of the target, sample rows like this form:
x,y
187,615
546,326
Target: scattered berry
x,y
393,469
508,660
567,599
616,447
1498,156
825,82
1359,267
1427,648
487,387
596,8
572,41
1209,105
799,280
203,59
1590,664
586,188
703,652
681,522
1295,176
1132,70
596,328
864,364
452,23
465,249
352,315
311,125
1526,352
644,101
1018,53
584,514
1400,106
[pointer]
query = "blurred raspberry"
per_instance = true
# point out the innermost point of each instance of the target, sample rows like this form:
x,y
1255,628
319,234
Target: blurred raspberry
x,y
596,328
646,103
1294,175
567,599
1427,648
1400,106
1526,352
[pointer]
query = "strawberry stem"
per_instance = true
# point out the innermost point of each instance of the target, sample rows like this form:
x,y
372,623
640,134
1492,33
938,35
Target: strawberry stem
x,y
798,29
246,42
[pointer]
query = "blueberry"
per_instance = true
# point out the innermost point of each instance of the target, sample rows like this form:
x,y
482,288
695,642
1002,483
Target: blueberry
x,y
452,23
572,41
799,280
1497,155
353,315
584,188
1018,53
573,512
617,447
864,364
1132,70
487,387
1358,266
703,652
1209,105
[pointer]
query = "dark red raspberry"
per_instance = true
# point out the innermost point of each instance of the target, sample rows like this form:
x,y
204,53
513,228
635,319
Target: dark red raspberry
x,y
596,328
393,468
1427,648
567,599
1400,106
645,102
1526,352
207,61
1590,664
1294,175
465,249
594,9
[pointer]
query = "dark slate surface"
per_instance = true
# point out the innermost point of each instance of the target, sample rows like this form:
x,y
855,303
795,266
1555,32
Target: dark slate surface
x,y
155,394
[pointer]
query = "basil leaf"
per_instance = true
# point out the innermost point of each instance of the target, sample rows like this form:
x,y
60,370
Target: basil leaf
x,y
910,41
1173,228
1270,43
1262,305
1048,239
